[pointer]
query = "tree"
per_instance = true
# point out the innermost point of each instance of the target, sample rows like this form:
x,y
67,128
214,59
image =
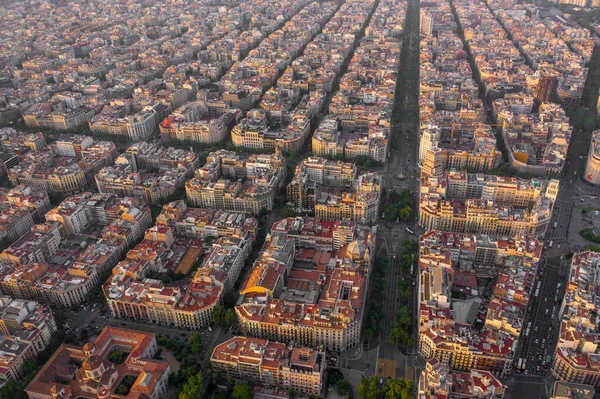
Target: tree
x,y
287,212
218,315
194,387
373,392
404,317
242,391
400,337
60,316
196,344
391,212
405,213
229,318
343,387
13,390
117,357
363,389
410,246
369,334
292,393
398,389
122,389
589,123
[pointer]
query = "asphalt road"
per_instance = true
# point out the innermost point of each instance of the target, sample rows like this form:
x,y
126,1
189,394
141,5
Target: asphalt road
x,y
562,217
541,327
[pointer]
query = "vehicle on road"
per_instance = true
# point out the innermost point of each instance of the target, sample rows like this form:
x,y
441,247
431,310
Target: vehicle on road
x,y
409,231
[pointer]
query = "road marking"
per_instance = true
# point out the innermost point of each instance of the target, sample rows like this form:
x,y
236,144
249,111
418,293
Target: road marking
x,y
387,367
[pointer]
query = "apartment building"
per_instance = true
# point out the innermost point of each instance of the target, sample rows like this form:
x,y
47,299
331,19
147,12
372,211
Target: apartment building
x,y
66,168
576,358
16,142
318,305
14,222
206,222
60,114
333,191
38,245
151,188
199,122
34,200
272,364
313,233
437,381
78,213
91,373
217,184
175,244
592,167
486,204
130,294
446,334
136,122
27,329
27,319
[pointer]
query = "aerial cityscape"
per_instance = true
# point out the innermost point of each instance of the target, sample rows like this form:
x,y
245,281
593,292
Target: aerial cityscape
x,y
362,199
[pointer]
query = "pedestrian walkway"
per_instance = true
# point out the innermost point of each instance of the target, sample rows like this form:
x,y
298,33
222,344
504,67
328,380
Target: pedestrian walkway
x,y
386,368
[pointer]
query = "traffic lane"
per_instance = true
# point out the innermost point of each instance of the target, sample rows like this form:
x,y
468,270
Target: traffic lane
x,y
528,353
541,343
520,386
561,217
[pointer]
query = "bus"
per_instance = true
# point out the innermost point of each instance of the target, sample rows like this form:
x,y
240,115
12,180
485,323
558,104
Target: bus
x,y
410,231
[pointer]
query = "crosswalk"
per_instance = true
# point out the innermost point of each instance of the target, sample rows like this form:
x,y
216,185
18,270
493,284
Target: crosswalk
x,y
386,368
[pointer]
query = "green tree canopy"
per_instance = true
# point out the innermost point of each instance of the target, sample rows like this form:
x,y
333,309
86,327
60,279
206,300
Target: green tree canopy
x,y
287,212
363,389
229,318
195,343
218,315
242,391
194,387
